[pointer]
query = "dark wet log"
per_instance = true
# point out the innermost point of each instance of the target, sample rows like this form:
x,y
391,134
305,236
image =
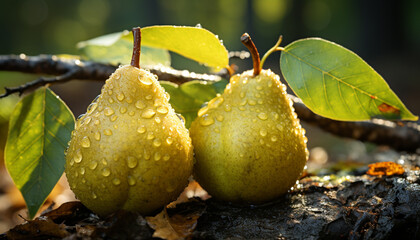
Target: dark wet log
x,y
362,208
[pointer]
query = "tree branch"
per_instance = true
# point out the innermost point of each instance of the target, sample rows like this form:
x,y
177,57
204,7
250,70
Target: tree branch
x,y
403,138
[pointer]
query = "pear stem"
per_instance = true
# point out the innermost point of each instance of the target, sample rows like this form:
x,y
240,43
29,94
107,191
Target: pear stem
x,y
135,58
246,40
273,49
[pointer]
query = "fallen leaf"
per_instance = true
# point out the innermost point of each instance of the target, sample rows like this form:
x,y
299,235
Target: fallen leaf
x,y
40,228
178,222
69,213
385,168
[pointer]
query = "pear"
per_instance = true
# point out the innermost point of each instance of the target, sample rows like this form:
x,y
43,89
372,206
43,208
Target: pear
x,y
130,150
249,145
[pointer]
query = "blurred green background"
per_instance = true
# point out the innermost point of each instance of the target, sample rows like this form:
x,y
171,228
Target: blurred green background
x,y
384,33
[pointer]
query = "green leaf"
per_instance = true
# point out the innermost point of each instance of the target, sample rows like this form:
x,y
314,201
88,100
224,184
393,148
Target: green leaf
x,y
195,43
336,83
40,128
188,98
117,48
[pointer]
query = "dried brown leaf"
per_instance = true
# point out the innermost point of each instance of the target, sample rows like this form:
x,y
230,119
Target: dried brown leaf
x,y
41,227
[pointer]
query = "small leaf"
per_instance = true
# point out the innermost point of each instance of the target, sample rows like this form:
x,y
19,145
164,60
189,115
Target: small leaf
x,y
40,128
116,49
188,98
195,43
336,83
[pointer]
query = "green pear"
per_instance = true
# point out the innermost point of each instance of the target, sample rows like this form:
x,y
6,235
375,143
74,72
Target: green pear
x,y
130,150
248,142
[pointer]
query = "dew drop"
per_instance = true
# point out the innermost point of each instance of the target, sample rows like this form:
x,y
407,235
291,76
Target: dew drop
x,y
82,170
123,110
131,180
217,130
162,110
97,122
116,181
92,107
149,113
72,162
206,120
146,154
243,102
108,111
260,101
149,97
157,142
157,120
104,162
141,129
263,132
108,132
259,87
100,108
93,165
219,117
131,162
131,113
110,100
157,156
85,142
97,136
113,118
227,108
215,102
120,97
270,84
257,156
110,92
140,104
94,196
83,180
273,138
166,157
169,140
252,102
106,172
145,80
279,127
242,108
150,135
261,142
129,100
262,116
257,95
245,81
202,111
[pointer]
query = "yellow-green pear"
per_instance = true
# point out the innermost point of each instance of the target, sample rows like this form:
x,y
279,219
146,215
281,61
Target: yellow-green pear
x,y
130,150
249,145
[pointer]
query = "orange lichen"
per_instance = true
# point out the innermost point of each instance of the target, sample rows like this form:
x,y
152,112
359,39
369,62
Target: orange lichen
x,y
385,168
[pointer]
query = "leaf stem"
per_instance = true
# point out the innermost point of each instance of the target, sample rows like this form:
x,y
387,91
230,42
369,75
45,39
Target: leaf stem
x,y
273,49
135,58
247,41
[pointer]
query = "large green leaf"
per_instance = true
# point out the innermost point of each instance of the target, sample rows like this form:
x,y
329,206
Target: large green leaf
x,y
117,49
195,43
40,128
336,83
188,98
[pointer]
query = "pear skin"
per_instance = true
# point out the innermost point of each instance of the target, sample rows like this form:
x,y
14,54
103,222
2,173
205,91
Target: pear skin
x,y
130,150
249,145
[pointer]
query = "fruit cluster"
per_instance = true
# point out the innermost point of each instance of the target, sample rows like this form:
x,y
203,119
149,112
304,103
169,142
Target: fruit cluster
x,y
131,151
